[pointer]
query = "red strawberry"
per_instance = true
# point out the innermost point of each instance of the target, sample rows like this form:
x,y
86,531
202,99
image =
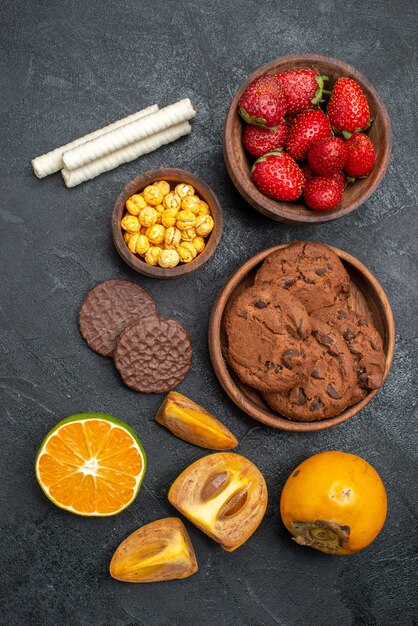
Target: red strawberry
x,y
340,177
307,128
307,172
257,141
327,156
263,102
302,88
322,194
361,155
347,108
278,176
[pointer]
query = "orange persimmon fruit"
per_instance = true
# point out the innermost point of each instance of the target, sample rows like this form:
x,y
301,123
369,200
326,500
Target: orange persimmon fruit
x,y
334,502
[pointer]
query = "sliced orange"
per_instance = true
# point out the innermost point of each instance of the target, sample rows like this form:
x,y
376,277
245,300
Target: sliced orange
x,y
91,464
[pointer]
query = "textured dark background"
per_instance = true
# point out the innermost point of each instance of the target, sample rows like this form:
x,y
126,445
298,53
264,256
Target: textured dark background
x,y
67,68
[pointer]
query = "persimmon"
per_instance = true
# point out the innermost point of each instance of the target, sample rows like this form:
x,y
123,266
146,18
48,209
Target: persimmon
x,y
334,502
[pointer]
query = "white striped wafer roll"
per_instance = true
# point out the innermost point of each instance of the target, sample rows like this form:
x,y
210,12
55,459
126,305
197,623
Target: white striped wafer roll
x,y
131,133
124,155
52,161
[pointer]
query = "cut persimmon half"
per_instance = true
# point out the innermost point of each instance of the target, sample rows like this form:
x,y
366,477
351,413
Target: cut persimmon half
x,y
158,551
223,494
91,464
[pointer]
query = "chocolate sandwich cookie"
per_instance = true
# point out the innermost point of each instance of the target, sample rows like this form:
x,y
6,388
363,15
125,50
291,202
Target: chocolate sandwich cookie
x,y
153,355
311,272
108,309
364,343
328,389
266,328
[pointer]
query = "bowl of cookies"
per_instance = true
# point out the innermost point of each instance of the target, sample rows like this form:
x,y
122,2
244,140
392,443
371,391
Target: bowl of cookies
x,y
307,139
166,222
302,336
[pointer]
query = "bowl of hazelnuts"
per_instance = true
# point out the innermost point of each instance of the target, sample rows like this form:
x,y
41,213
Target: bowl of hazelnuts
x,y
166,222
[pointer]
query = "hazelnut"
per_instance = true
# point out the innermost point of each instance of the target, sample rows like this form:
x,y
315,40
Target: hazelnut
x,y
172,236
201,209
163,185
130,223
152,254
153,195
185,219
142,245
183,190
189,202
133,241
188,235
189,246
148,216
160,210
156,234
185,255
204,225
172,201
168,258
135,203
199,244
169,217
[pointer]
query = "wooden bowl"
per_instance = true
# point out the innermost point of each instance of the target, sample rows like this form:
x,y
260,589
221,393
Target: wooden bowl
x,y
172,176
239,165
367,297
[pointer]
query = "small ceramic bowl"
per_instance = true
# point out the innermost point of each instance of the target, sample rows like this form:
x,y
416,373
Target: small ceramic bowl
x,y
174,177
239,164
367,297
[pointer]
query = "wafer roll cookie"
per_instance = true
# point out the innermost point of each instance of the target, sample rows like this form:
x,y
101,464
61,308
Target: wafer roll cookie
x,y
124,155
131,133
52,161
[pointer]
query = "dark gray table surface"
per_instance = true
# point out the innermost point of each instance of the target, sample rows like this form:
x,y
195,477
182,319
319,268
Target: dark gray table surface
x,y
67,68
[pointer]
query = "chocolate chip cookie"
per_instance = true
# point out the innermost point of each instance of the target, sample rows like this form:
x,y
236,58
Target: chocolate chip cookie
x,y
364,343
153,355
328,388
266,328
310,271
108,309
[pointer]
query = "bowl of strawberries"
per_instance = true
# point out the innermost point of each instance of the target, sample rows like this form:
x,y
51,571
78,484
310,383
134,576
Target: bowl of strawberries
x,y
307,139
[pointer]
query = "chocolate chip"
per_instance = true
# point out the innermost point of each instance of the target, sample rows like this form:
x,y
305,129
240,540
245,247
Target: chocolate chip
x,y
363,322
301,331
315,404
273,366
362,379
342,314
316,374
301,397
308,280
287,356
326,340
353,349
374,345
260,304
289,282
290,353
320,271
329,266
348,334
333,393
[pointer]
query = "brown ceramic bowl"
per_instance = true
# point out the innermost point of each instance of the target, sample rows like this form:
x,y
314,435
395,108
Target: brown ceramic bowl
x,y
367,297
239,164
172,176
